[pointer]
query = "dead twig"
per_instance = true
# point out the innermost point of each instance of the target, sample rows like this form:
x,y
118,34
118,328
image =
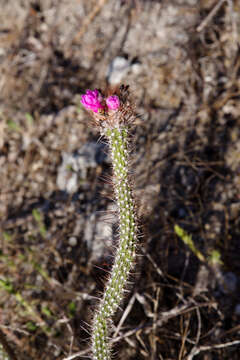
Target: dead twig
x,y
7,348
196,351
210,15
125,314
97,8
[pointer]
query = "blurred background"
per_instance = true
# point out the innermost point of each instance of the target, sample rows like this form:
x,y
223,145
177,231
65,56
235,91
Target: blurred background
x,y
181,59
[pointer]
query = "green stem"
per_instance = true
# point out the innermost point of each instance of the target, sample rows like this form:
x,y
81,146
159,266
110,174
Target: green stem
x,y
125,254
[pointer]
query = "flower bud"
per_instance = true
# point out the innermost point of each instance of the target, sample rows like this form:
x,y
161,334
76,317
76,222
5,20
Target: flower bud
x,y
92,100
113,102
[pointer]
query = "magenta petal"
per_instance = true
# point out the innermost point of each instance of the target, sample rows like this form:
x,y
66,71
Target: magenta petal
x,y
92,100
113,102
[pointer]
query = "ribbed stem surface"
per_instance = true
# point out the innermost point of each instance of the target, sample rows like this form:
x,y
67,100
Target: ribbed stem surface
x,y
125,253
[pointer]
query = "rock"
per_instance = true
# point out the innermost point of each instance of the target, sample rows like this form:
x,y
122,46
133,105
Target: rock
x,y
237,310
74,166
119,68
230,283
72,241
99,234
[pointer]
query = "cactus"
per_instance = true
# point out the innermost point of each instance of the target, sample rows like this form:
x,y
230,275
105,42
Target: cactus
x,y
114,116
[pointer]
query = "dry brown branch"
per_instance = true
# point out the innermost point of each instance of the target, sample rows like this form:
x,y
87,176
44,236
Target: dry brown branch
x,y
6,346
164,318
96,9
124,315
209,17
196,351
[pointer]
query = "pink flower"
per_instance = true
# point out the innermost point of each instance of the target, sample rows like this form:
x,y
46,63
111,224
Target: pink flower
x,y
113,102
92,100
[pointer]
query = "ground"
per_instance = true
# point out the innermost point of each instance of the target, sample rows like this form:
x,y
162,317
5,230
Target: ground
x,y
181,59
